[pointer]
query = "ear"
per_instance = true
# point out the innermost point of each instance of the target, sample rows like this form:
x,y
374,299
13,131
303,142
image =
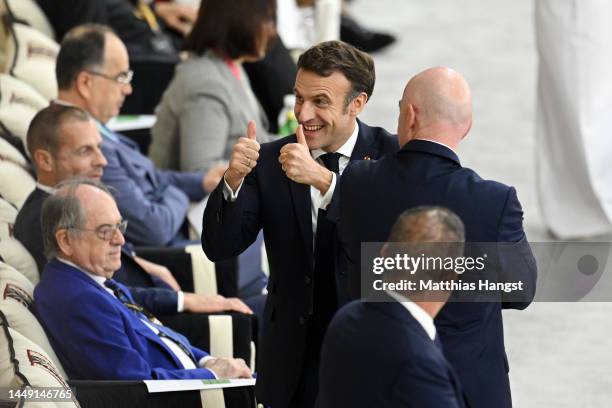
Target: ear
x,y
64,241
469,127
358,104
82,84
43,160
384,250
411,116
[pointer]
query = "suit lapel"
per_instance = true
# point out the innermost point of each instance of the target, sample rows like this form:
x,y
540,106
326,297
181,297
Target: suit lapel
x,y
364,147
300,194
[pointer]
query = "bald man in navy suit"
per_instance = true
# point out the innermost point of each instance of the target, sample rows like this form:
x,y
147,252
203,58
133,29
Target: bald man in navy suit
x,y
435,115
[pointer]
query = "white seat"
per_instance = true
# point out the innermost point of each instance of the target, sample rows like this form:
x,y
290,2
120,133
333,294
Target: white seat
x,y
30,57
16,182
13,253
8,214
29,12
19,102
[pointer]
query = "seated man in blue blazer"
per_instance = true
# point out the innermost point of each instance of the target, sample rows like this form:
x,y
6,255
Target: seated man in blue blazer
x,y
91,320
63,142
384,352
435,115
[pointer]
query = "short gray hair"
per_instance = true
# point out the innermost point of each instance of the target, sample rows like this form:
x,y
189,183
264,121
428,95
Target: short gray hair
x,y
63,210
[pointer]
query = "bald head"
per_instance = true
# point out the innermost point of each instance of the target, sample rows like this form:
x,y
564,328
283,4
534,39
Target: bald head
x,y
436,105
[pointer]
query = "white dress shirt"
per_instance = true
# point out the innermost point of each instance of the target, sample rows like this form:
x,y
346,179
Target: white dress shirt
x,y
420,315
317,200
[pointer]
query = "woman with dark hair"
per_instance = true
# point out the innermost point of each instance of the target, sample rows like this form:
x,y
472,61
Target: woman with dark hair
x,y
209,102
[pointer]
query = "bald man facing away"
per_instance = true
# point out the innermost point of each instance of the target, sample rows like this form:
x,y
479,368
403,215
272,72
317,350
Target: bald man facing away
x,y
435,115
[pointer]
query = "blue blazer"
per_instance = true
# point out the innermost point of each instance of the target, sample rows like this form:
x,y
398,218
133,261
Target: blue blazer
x,y
270,201
154,295
371,197
154,202
378,355
96,337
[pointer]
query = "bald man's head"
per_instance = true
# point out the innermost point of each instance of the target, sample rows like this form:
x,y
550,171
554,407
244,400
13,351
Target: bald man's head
x,y
436,105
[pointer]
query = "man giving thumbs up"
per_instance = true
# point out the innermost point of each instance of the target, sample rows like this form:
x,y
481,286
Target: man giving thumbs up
x,y
283,187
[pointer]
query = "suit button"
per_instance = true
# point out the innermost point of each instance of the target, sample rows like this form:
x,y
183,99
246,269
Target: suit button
x,y
302,320
308,279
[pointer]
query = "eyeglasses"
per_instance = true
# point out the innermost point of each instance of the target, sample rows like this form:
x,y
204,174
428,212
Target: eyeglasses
x,y
106,232
123,78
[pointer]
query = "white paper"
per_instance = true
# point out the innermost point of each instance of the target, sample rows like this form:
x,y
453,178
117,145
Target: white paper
x,y
196,214
190,385
122,123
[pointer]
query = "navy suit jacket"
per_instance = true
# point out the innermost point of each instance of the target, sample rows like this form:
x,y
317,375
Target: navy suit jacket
x,y
375,354
371,197
154,202
28,230
270,201
96,337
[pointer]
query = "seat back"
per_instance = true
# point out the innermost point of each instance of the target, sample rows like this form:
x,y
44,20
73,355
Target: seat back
x,y
28,12
16,302
30,57
19,102
8,214
13,253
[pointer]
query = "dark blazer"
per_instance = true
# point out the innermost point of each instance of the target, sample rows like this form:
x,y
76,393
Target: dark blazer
x,y
375,354
268,200
373,194
28,230
96,337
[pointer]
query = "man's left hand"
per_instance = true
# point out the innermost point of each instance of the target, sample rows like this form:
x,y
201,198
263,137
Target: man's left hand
x,y
299,166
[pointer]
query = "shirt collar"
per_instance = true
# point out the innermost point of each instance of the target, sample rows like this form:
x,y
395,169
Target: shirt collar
x,y
420,315
46,189
345,150
104,131
96,278
440,143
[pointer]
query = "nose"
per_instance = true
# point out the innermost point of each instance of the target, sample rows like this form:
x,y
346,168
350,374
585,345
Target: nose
x,y
304,112
118,238
100,159
127,89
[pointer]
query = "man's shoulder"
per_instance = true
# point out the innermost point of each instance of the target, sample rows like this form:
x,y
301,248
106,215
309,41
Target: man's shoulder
x,y
30,211
478,185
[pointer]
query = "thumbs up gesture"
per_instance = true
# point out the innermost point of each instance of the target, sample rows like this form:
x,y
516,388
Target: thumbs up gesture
x,y
299,166
245,154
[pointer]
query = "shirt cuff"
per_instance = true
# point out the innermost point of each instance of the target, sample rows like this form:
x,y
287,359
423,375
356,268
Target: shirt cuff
x,y
228,194
326,199
180,301
203,361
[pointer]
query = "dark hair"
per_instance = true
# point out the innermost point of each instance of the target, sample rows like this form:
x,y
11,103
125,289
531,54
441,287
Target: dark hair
x,y
336,56
63,209
232,27
427,224
45,129
430,231
82,48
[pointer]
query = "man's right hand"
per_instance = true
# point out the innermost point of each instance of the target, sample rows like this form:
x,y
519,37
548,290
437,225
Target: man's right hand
x,y
229,368
245,154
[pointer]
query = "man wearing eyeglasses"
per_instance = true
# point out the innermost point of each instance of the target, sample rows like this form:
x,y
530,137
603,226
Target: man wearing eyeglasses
x,y
93,73
64,143
92,322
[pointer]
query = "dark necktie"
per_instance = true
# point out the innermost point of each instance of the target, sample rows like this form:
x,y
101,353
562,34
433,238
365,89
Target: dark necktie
x,y
331,161
325,300
144,314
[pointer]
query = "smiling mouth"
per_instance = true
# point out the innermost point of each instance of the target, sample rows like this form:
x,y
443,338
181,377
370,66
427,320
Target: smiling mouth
x,y
313,128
